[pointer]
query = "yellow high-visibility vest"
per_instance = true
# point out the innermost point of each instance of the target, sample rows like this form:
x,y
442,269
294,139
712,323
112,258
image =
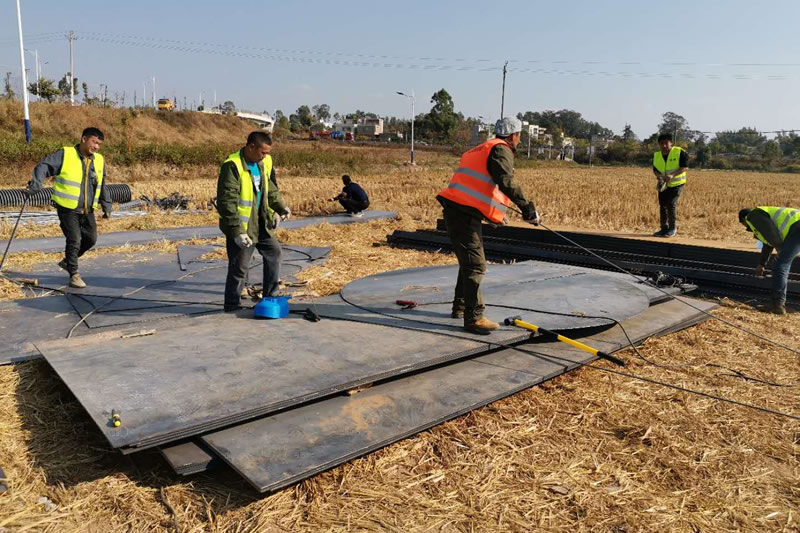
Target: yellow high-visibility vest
x,y
673,162
246,196
68,183
783,218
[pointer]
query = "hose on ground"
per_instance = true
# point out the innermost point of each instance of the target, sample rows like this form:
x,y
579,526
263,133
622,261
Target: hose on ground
x,y
120,193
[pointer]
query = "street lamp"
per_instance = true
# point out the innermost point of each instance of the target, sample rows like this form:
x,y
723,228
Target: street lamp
x,y
413,101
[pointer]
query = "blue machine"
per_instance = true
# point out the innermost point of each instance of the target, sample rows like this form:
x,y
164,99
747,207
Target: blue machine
x,y
273,307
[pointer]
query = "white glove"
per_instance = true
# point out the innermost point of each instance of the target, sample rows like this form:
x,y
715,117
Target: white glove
x,y
287,214
243,241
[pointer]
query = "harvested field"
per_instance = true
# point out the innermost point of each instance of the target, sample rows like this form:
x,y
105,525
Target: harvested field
x,y
588,451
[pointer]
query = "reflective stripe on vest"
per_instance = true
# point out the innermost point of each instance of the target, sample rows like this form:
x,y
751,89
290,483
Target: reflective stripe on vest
x,y
673,162
783,218
246,196
472,186
68,183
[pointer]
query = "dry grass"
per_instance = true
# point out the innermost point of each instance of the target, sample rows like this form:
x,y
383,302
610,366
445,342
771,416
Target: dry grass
x,y
588,451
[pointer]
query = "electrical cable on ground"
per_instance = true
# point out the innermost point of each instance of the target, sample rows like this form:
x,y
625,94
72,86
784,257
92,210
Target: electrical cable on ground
x,y
588,365
671,296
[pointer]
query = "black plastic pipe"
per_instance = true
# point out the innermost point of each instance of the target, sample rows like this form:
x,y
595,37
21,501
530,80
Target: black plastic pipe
x,y
15,197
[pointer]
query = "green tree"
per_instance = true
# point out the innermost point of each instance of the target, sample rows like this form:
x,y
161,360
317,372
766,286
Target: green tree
x,y
304,116
677,126
9,93
228,108
45,89
322,112
627,133
772,151
64,88
442,120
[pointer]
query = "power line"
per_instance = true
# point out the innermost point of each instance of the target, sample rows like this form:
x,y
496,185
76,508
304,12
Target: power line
x,y
291,56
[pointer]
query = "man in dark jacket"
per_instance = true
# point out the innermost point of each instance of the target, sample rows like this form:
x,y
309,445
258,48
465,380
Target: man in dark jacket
x,y
79,188
250,209
777,228
353,197
481,188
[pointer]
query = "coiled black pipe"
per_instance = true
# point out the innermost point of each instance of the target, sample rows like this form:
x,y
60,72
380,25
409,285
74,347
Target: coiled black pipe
x,y
15,197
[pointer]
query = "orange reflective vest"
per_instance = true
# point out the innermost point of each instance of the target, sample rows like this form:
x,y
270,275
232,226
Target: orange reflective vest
x,y
472,186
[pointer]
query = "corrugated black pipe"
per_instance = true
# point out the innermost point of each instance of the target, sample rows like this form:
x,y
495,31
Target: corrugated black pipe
x,y
15,197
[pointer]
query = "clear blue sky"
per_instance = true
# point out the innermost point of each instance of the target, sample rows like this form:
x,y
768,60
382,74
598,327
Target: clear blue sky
x,y
612,61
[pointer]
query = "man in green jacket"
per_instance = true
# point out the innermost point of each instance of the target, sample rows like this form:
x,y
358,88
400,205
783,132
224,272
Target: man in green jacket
x,y
484,178
778,228
250,209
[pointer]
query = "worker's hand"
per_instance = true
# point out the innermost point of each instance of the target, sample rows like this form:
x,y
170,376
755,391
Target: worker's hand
x,y
28,192
286,214
243,241
759,271
529,214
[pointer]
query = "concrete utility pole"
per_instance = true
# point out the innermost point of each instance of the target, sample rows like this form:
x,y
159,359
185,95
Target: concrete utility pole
x,y
38,71
154,92
144,94
413,102
24,77
503,97
71,38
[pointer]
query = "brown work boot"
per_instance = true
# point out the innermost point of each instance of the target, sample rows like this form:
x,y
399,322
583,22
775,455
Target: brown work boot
x,y
76,281
779,308
482,326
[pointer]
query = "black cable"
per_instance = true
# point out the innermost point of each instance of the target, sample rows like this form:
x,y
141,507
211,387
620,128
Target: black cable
x,y
671,296
569,361
631,344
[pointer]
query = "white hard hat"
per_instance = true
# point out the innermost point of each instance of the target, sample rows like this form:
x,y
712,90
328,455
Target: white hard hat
x,y
507,126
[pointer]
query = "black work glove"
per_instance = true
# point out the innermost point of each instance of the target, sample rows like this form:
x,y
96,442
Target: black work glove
x,y
529,214
28,192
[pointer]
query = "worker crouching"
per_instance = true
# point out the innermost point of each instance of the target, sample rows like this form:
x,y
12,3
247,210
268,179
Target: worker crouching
x,y
250,209
777,228
482,187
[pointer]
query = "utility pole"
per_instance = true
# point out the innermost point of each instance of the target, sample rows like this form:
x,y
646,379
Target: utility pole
x,y
24,77
215,98
503,97
529,142
591,149
134,99
144,95
154,92
71,37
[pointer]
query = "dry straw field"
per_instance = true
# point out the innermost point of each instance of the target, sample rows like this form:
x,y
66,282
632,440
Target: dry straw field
x,y
588,451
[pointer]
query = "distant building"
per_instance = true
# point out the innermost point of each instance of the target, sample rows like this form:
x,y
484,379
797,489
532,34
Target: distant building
x,y
367,127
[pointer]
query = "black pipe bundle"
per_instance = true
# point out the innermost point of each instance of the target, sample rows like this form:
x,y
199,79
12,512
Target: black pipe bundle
x,y
15,197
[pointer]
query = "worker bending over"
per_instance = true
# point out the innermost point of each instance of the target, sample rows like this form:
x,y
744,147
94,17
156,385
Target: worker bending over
x,y
353,197
482,187
79,187
250,209
777,228
669,167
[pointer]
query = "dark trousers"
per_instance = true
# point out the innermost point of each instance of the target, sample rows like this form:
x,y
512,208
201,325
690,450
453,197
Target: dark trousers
x,y
668,206
81,233
353,206
239,265
467,241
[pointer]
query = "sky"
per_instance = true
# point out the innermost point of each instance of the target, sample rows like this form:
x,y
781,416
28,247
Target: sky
x,y
722,65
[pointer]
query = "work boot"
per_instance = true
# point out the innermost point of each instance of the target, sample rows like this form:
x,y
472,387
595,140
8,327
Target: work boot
x,y
62,264
457,313
660,233
76,281
779,308
670,233
482,326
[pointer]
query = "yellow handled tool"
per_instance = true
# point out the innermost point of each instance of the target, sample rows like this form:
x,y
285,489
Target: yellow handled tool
x,y
517,321
116,421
